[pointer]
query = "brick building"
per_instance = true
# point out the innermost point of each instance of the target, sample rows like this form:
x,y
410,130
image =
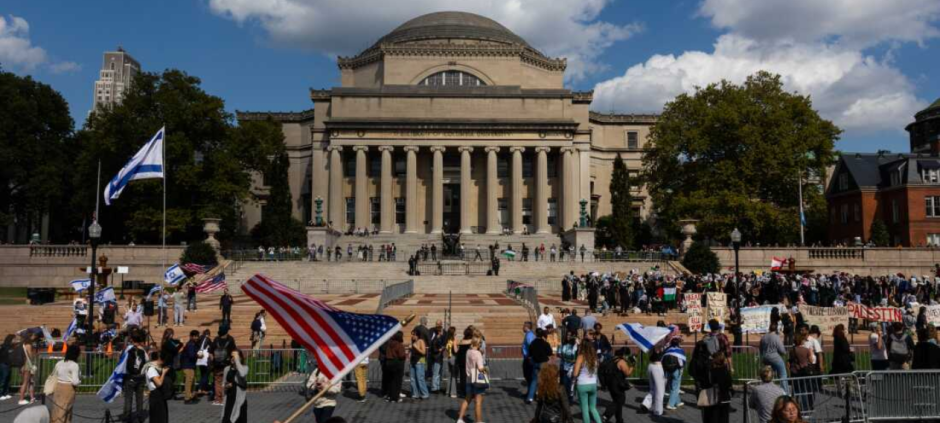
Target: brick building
x,y
903,190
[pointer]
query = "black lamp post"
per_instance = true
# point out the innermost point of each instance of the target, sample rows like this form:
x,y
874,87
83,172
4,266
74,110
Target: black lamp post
x,y
736,244
94,234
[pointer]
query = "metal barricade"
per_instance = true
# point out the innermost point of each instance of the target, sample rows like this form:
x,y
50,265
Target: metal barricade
x,y
395,292
822,399
903,395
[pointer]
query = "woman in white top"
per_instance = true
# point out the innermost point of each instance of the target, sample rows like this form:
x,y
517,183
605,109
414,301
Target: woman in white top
x,y
586,367
67,377
475,366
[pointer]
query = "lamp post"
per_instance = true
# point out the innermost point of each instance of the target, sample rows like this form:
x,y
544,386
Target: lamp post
x,y
736,244
94,234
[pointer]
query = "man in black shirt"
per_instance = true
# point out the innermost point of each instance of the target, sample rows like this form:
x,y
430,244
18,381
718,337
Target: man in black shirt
x,y
225,304
221,353
134,382
539,353
571,323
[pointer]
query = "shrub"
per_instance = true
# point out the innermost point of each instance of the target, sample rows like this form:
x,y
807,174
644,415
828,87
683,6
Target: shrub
x,y
701,259
200,253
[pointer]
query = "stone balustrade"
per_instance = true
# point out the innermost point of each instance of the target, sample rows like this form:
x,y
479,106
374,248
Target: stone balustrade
x,y
58,250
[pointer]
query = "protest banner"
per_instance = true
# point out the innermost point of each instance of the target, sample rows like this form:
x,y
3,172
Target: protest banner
x,y
717,306
878,314
695,323
827,318
693,307
757,319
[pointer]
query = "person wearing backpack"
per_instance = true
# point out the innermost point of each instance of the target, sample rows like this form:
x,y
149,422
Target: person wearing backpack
x,y
551,400
221,354
133,389
900,348
614,374
673,363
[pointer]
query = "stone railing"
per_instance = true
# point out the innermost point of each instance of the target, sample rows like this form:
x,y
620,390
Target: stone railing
x,y
836,253
58,250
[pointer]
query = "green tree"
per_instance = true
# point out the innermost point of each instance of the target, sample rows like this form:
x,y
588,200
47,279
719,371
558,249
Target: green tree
x,y
278,227
199,253
35,134
731,156
879,234
208,160
701,259
621,226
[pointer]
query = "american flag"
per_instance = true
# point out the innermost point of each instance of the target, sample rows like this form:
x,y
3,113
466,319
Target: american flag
x,y
214,283
339,339
194,269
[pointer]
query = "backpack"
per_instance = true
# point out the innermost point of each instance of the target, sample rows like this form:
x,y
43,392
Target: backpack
x,y
609,374
256,325
898,351
670,363
18,356
701,360
220,355
712,345
135,362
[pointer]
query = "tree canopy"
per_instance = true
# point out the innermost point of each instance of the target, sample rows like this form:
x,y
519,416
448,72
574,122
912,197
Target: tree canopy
x,y
620,226
732,155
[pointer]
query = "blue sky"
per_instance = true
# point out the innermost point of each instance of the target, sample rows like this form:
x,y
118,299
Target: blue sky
x,y
868,70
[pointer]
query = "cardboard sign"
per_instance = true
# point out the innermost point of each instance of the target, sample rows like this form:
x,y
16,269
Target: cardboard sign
x,y
695,323
827,318
717,306
692,301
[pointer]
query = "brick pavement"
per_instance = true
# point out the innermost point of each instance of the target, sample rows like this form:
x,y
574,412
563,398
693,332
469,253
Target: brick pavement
x,y
503,404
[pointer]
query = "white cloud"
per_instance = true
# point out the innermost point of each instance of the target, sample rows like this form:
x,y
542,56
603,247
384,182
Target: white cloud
x,y
558,28
853,23
818,47
65,67
16,50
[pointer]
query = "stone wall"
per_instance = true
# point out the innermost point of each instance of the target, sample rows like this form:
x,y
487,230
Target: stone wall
x,y
55,266
864,261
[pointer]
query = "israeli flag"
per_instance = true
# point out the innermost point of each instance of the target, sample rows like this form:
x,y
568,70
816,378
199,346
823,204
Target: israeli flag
x,y
154,290
802,218
112,388
146,164
69,331
80,285
676,352
645,337
105,295
174,275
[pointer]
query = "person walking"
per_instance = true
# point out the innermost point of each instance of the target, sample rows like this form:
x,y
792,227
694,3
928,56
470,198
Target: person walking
x,y
900,348
225,304
419,364
673,363
657,381
155,374
716,406
772,352
188,359
178,307
568,354
324,406
395,356
763,396
552,405
585,367
617,385
527,337
27,368
221,348
163,300
66,373
236,386
460,349
473,389
539,353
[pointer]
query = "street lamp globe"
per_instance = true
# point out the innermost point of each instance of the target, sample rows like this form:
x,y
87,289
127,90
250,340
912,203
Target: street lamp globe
x,y
94,230
735,235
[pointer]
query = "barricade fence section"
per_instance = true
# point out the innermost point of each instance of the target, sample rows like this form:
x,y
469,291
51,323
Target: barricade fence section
x,y
395,292
822,399
903,395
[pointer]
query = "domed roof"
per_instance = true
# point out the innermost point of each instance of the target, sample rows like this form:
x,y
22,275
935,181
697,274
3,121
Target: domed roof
x,y
448,25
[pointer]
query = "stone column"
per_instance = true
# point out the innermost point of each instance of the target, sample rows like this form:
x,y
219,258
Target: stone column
x,y
337,201
567,197
517,188
363,215
437,191
540,207
411,190
465,189
387,199
492,183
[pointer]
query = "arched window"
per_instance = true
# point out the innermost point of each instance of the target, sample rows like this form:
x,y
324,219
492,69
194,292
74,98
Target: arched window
x,y
452,79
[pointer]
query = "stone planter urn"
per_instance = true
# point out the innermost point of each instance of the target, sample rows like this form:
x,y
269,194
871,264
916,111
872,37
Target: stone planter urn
x,y
688,229
211,227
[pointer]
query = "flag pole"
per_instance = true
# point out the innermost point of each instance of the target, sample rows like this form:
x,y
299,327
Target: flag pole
x,y
165,172
98,192
799,175
304,407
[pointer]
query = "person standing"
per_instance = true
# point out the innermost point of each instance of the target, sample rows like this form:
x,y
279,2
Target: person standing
x,y
545,320
6,350
552,403
419,363
236,386
673,364
718,408
324,406
395,356
657,380
222,349
772,352
879,352
900,348
159,393
134,378
843,358
225,304
618,385
191,297
539,353
926,352
258,330
27,368
67,377
568,354
178,307
162,298
202,361
475,366
586,367
436,355
188,359
571,323
527,337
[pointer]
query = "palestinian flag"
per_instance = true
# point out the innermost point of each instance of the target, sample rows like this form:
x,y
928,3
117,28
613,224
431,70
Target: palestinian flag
x,y
669,294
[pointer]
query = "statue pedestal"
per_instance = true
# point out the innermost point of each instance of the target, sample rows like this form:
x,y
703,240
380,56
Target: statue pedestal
x,y
579,237
321,235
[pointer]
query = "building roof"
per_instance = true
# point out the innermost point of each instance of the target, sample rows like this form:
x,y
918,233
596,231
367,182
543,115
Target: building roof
x,y
873,170
451,25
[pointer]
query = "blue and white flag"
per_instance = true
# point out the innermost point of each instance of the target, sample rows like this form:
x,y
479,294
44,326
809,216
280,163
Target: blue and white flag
x,y
154,290
105,295
676,352
69,331
645,337
146,164
174,275
80,285
112,388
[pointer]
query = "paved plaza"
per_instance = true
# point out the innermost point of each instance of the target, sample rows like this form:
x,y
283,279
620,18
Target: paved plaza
x,y
503,404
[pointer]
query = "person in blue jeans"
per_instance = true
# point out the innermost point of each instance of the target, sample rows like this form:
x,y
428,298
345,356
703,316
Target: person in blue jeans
x,y
539,353
419,362
772,352
673,362
568,353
